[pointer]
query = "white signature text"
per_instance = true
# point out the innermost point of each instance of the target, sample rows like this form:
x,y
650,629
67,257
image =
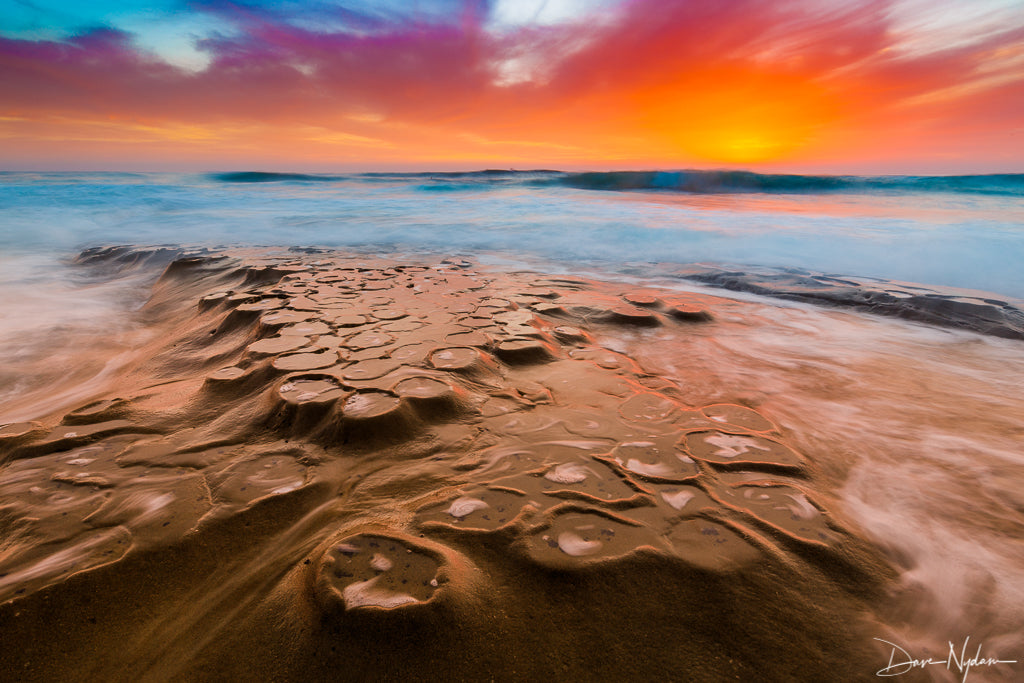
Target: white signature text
x,y
900,661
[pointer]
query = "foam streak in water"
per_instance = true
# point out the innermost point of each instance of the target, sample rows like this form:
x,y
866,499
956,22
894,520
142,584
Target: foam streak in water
x,y
920,428
48,321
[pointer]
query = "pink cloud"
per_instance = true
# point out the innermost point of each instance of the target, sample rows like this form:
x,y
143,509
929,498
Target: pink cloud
x,y
580,80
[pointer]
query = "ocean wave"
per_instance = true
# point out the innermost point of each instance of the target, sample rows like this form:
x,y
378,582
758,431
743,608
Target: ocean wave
x,y
717,182
266,177
687,181
488,173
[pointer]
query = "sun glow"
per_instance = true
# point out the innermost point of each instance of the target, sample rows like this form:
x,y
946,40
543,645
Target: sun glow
x,y
738,117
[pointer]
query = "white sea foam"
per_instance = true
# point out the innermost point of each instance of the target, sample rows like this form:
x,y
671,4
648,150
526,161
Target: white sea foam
x,y
51,320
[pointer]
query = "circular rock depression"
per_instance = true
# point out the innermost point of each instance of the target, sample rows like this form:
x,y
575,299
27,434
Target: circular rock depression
x,y
371,417
430,396
365,571
305,401
388,574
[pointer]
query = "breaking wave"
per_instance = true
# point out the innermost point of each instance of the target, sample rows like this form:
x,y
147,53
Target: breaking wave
x,y
712,182
690,181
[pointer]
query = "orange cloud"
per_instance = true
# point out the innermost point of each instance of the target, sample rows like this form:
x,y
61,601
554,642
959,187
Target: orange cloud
x,y
667,83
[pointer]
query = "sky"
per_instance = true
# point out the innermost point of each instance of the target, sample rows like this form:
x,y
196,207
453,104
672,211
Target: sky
x,y
842,86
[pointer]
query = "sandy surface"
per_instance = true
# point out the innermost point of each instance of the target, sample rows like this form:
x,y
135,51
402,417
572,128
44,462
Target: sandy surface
x,y
328,467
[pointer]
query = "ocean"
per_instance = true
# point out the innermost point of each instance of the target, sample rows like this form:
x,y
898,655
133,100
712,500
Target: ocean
x,y
965,231
912,420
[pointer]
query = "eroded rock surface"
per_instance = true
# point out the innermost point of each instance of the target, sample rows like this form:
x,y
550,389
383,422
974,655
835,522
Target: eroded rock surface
x,y
338,440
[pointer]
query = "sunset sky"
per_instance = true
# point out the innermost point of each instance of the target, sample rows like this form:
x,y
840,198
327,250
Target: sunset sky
x,y
864,86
